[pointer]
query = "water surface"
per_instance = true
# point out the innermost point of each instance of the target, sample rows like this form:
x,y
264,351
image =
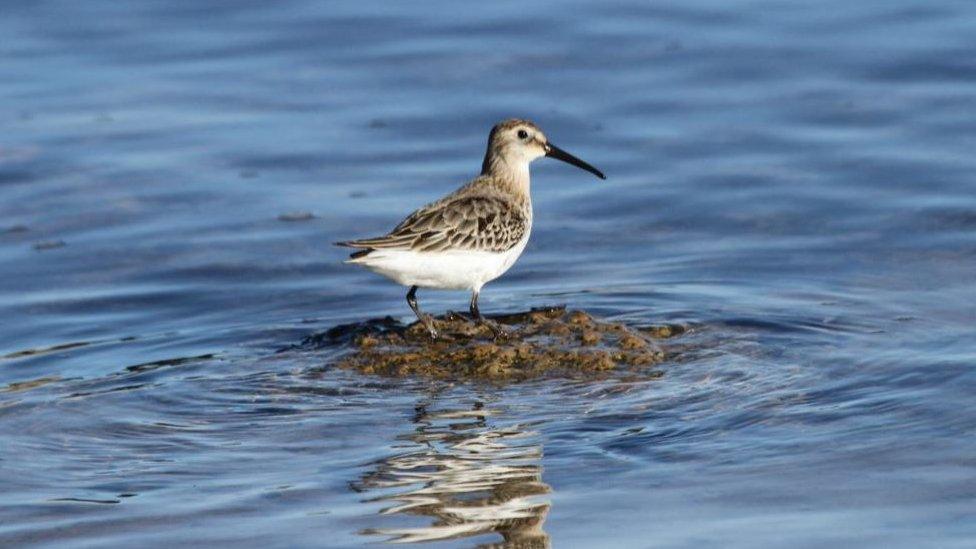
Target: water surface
x,y
793,181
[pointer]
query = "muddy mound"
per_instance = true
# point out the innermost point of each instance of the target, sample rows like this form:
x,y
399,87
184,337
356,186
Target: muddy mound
x,y
539,342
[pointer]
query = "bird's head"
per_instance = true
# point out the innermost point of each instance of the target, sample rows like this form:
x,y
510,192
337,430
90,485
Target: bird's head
x,y
514,143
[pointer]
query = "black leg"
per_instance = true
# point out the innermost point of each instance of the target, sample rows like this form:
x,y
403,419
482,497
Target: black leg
x,y
425,319
476,315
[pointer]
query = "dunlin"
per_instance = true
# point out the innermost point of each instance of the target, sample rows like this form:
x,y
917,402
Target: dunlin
x,y
473,235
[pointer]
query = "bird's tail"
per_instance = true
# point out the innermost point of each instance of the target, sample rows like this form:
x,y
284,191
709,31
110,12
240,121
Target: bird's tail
x,y
357,255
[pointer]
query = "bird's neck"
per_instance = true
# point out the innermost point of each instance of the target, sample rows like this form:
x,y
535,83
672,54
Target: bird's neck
x,y
512,176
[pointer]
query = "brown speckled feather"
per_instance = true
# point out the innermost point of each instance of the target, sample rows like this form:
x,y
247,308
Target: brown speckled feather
x,y
479,216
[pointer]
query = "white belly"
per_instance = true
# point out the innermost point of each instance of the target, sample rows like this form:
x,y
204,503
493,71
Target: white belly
x,y
451,270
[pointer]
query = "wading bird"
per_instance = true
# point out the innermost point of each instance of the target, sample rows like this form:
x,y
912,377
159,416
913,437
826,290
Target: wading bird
x,y
473,235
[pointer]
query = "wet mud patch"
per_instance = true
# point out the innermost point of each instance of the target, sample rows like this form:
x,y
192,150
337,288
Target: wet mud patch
x,y
549,341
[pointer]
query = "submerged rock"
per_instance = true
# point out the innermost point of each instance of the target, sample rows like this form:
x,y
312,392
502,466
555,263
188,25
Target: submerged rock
x,y
296,216
49,245
539,342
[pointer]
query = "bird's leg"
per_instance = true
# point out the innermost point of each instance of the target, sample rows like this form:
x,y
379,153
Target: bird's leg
x,y
424,319
496,330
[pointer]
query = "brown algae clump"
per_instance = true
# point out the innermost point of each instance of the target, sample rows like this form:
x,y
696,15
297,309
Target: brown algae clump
x,y
546,341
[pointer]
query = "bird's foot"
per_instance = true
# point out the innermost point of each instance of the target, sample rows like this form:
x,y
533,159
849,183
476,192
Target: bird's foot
x,y
451,316
497,331
429,324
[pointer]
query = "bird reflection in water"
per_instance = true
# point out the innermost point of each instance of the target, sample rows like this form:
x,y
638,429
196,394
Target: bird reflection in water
x,y
470,477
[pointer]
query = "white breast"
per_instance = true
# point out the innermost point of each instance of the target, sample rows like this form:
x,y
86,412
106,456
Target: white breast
x,y
450,270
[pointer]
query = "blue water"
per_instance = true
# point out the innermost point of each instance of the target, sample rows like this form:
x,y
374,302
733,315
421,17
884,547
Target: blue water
x,y
793,182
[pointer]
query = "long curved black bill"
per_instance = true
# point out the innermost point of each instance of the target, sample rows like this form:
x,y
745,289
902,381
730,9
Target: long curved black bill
x,y
553,151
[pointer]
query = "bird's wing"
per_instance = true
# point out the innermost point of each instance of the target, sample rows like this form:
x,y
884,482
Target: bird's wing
x,y
486,223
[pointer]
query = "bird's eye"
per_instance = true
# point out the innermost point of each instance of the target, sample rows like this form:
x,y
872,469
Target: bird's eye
x,y
523,134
